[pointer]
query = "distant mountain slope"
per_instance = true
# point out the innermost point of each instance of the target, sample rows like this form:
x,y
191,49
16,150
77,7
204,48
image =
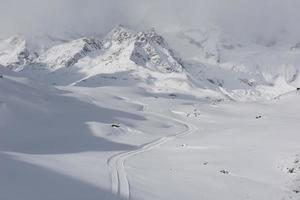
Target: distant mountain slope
x,y
68,54
195,59
258,56
146,55
146,49
14,52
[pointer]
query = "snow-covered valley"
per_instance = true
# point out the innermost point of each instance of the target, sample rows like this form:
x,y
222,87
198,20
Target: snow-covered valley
x,y
137,115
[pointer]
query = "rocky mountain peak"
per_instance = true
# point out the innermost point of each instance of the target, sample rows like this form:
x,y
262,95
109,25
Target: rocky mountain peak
x,y
151,35
68,54
152,51
14,52
120,34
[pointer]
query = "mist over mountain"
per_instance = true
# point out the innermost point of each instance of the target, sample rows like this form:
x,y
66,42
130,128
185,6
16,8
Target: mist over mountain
x,y
247,18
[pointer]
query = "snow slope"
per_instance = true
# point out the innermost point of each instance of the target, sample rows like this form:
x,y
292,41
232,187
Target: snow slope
x,y
137,116
41,126
234,155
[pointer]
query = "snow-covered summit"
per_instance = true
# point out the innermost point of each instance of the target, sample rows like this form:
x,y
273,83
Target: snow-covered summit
x,y
120,34
146,48
204,58
14,52
152,51
67,54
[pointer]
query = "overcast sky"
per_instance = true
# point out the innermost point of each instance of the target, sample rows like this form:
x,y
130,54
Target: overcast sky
x,y
266,17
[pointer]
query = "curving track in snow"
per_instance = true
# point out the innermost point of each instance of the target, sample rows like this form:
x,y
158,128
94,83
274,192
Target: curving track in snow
x,y
119,180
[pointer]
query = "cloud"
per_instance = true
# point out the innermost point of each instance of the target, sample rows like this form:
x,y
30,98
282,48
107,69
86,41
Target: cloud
x,y
96,16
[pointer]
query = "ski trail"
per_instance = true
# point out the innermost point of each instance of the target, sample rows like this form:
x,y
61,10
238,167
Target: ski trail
x,y
119,181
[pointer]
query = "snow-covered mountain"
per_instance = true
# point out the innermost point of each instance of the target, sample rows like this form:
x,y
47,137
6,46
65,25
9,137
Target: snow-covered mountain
x,y
68,54
269,58
14,52
147,49
187,60
244,67
144,56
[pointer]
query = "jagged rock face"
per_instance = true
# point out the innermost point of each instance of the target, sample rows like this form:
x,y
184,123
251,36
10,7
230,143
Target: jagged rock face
x,y
14,52
146,49
121,47
119,35
68,54
151,51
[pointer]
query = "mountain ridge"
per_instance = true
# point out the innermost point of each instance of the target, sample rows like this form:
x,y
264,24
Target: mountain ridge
x,y
220,64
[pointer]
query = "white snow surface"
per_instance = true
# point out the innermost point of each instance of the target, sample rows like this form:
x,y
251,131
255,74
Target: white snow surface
x,y
135,115
14,52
